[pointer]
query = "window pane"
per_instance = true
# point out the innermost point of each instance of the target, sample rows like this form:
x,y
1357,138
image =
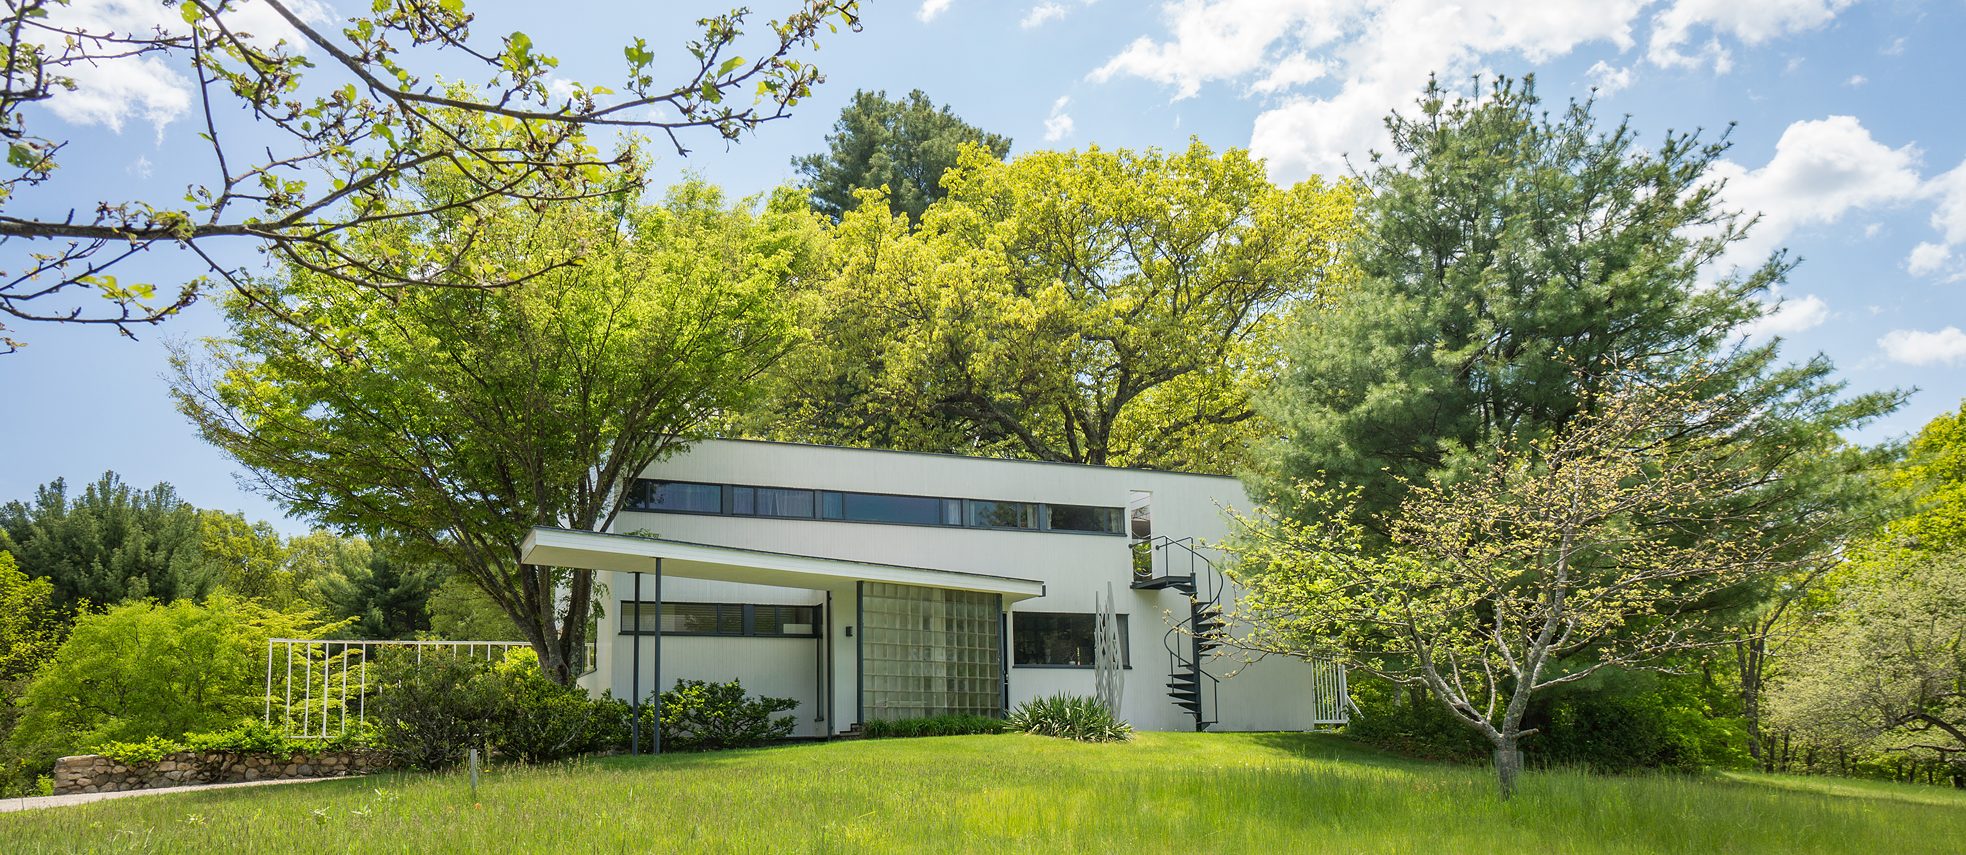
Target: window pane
x,y
1084,518
784,620
680,496
743,501
868,507
1003,514
774,502
1040,638
832,505
693,617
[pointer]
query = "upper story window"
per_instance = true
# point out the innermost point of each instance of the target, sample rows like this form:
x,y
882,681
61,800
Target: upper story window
x,y
771,502
789,503
678,497
1085,518
884,508
1003,514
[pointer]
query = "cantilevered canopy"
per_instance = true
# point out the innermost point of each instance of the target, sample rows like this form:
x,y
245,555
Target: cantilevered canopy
x,y
559,547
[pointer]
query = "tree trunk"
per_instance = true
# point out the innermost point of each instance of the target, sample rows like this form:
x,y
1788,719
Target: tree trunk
x,y
1508,764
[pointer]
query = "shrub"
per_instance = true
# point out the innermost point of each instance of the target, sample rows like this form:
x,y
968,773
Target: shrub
x,y
535,720
144,670
250,737
1070,717
702,716
934,725
428,714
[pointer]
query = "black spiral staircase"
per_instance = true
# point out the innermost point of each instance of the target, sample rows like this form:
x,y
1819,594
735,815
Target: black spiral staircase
x,y
1176,563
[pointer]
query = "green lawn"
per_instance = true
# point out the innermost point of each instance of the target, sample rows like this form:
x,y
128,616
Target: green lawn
x,y
1267,793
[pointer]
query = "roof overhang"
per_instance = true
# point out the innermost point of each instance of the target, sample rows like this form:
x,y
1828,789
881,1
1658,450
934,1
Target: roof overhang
x,y
559,547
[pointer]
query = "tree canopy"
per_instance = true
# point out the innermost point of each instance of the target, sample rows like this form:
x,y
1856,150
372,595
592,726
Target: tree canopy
x,y
1107,307
904,145
347,121
457,419
110,544
1510,260
1516,270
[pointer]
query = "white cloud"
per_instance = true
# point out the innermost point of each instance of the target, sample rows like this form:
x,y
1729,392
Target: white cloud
x,y
1041,14
110,92
1896,47
1856,80
1821,169
1928,258
1750,21
1917,347
1377,54
1789,318
1293,70
931,9
1059,124
1949,217
1608,79
1872,230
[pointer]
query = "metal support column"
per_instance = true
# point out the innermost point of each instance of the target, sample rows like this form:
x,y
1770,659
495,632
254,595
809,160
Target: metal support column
x,y
635,670
656,729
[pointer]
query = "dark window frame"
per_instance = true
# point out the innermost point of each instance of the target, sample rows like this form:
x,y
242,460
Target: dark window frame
x,y
746,611
961,507
1126,640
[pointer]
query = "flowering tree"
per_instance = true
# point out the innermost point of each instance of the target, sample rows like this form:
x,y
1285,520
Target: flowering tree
x,y
1594,547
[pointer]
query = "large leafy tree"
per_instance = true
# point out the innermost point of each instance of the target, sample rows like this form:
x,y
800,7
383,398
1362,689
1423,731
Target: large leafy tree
x,y
1511,259
457,419
1108,307
1513,263
110,544
347,119
1884,665
904,145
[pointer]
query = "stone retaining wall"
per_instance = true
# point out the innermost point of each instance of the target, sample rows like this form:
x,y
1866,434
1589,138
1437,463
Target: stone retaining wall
x,y
94,773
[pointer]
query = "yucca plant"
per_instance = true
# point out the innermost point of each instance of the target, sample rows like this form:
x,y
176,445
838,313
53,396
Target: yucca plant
x,y
1076,717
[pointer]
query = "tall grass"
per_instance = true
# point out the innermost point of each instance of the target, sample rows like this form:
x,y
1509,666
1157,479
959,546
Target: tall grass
x,y
1162,791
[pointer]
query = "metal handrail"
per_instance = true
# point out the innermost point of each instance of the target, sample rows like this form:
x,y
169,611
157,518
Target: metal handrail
x,y
1208,585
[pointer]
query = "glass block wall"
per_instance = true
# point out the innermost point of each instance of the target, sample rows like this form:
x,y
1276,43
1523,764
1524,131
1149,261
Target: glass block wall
x,y
929,651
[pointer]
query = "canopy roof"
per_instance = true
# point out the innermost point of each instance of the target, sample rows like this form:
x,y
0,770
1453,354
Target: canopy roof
x,y
559,547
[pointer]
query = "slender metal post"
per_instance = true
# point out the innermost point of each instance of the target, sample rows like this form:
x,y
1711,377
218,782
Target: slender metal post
x,y
362,705
344,687
657,728
269,683
327,661
287,708
635,671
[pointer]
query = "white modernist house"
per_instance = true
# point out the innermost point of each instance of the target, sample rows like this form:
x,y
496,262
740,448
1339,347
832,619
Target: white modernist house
x,y
881,585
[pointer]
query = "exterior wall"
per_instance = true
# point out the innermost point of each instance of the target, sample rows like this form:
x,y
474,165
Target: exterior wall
x,y
1269,695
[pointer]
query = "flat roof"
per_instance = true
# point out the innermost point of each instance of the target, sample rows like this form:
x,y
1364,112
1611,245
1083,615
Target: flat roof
x,y
628,553
953,455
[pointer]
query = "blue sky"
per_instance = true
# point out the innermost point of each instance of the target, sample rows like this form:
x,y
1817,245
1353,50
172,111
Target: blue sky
x,y
1847,136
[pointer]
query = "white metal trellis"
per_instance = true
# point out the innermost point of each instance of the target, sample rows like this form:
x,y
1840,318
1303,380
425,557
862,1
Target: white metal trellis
x,y
1108,659
1331,699
334,678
